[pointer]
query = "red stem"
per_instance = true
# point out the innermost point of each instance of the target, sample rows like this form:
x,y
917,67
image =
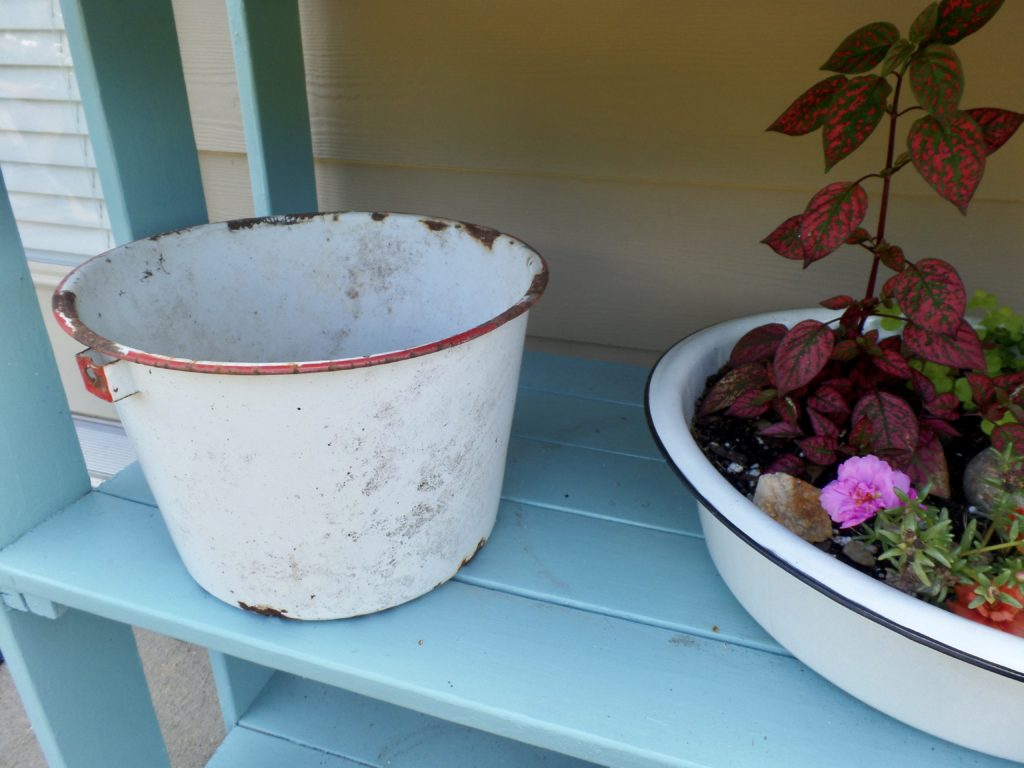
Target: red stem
x,y
883,210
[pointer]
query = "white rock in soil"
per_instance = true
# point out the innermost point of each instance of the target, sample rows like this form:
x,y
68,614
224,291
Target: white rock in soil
x,y
795,504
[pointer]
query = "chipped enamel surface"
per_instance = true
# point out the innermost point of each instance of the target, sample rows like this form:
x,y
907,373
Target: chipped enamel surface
x,y
327,495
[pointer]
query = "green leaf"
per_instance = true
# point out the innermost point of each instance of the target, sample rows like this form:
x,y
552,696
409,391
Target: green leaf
x,y
1008,599
863,50
806,113
852,116
924,24
897,57
963,391
959,18
937,556
918,569
831,216
951,158
937,80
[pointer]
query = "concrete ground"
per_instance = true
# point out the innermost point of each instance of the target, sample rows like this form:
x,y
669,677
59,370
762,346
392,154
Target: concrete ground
x,y
183,694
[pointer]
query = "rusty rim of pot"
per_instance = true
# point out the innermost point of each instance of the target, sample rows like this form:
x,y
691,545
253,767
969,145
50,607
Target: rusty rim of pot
x,y
65,306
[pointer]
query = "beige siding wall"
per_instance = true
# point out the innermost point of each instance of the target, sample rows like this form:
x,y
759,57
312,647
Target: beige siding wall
x,y
622,138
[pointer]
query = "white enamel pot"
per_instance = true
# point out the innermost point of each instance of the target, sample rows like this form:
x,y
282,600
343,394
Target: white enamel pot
x,y
321,404
943,674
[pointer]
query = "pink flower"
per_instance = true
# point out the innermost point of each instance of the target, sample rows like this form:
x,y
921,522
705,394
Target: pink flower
x,y
865,485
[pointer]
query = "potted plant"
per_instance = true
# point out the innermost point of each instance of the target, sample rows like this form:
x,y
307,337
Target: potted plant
x,y
878,399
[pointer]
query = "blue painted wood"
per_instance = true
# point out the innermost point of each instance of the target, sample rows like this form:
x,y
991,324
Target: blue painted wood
x,y
81,681
601,688
267,45
249,749
567,420
373,733
129,73
41,466
600,484
615,382
635,675
644,575
129,484
238,682
596,564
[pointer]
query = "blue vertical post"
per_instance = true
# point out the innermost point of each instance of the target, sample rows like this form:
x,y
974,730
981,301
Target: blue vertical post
x,y
238,682
81,681
267,44
79,676
41,466
133,91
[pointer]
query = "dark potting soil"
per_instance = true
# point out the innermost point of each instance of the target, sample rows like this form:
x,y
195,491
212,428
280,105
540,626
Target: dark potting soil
x,y
741,455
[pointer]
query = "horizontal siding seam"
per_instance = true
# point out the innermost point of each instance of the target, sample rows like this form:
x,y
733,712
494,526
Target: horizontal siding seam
x,y
587,178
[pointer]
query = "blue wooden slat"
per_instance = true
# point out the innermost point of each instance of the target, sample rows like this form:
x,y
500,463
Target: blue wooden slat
x,y
41,466
377,734
249,749
616,382
603,689
129,73
595,563
271,76
238,684
640,574
81,681
567,420
599,484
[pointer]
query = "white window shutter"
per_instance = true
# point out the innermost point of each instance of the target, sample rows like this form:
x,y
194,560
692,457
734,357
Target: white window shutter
x,y
45,154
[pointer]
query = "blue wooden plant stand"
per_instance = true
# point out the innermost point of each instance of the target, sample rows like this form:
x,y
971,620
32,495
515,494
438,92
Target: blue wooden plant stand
x,y
591,629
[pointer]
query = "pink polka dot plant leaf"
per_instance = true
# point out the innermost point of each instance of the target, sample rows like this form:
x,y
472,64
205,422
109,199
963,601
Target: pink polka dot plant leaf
x,y
937,80
855,112
951,157
826,391
864,49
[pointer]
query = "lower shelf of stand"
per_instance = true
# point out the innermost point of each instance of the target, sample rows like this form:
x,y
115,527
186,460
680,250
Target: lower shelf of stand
x,y
300,723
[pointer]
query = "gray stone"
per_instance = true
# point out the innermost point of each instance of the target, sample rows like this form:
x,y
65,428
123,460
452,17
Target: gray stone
x,y
986,479
860,553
